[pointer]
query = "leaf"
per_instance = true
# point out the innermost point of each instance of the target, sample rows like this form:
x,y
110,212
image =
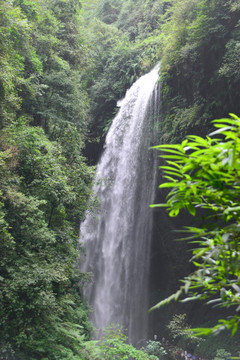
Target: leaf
x,y
176,157
226,121
234,116
191,298
173,173
157,205
235,328
170,168
169,147
221,130
174,164
174,212
174,296
201,331
191,208
198,140
169,185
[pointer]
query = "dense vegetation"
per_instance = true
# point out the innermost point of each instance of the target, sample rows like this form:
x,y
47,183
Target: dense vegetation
x,y
45,182
200,65
204,174
124,44
63,66
54,58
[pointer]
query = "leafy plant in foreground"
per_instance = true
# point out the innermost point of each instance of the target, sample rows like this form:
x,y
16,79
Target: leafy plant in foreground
x,y
203,173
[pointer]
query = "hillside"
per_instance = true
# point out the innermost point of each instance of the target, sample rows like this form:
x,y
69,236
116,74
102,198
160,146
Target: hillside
x,y
64,65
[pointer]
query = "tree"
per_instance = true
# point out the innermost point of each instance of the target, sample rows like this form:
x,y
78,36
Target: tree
x,y
14,47
203,173
44,179
43,197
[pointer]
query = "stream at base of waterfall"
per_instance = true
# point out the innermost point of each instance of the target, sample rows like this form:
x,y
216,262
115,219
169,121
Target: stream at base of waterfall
x,y
117,235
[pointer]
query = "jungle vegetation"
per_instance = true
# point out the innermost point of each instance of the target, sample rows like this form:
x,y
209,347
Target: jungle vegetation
x,y
203,173
63,66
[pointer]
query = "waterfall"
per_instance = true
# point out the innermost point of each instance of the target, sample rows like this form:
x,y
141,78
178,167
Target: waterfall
x,y
117,235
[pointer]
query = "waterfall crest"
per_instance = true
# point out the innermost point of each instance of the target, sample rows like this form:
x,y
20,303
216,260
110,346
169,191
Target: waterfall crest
x,y
118,235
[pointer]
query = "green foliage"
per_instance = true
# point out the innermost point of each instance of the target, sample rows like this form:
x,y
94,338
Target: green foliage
x,y
155,348
222,355
14,40
199,67
203,173
139,19
54,65
59,97
51,67
212,343
91,351
117,57
108,10
113,346
42,312
230,67
181,333
45,182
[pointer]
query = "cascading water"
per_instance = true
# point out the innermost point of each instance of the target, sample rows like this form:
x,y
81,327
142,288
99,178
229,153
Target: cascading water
x,y
118,235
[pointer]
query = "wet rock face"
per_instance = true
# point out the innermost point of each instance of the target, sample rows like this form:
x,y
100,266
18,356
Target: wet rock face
x,y
169,263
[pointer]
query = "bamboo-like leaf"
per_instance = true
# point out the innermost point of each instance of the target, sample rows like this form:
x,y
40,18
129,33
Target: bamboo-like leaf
x,y
214,301
209,178
191,208
169,185
191,298
227,120
169,168
221,130
174,164
201,331
172,151
166,301
169,178
173,173
167,146
177,157
198,140
235,328
157,205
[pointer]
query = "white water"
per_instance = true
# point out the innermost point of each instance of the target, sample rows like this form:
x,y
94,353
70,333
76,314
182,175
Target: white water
x,y
118,236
